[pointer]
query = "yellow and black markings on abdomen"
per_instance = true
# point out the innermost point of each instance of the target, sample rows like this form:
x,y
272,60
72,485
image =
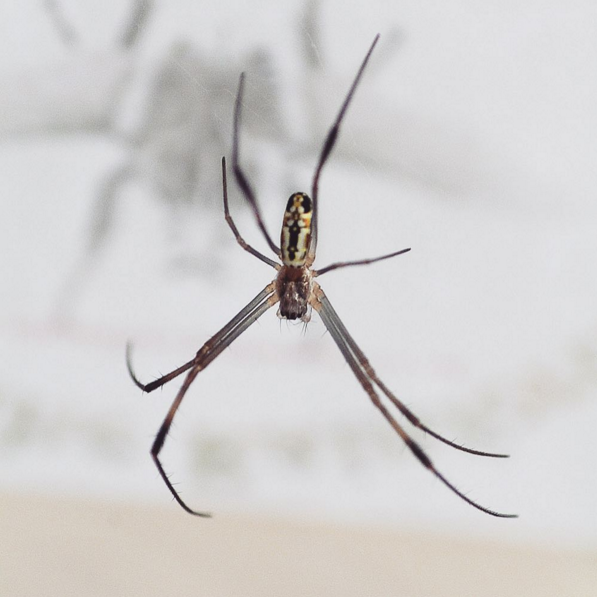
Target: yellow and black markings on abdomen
x,y
296,230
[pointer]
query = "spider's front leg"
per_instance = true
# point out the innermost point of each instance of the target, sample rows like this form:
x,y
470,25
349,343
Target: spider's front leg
x,y
363,371
207,353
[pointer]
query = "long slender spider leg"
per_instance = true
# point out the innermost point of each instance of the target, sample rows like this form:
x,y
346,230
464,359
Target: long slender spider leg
x,y
413,419
329,317
328,145
239,239
220,336
158,383
333,266
208,353
241,179
158,443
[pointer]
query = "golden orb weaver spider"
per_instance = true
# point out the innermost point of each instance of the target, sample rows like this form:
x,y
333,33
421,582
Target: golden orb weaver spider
x,y
296,291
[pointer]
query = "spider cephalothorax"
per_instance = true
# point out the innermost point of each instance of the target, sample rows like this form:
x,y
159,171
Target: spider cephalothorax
x,y
293,287
296,291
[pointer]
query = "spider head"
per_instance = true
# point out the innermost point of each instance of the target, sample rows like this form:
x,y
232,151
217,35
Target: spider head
x,y
293,286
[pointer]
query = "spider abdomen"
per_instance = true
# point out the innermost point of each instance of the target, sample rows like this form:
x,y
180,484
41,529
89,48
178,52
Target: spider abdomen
x,y
296,230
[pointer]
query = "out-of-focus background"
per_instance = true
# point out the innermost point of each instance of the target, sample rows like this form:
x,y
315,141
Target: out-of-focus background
x,y
472,139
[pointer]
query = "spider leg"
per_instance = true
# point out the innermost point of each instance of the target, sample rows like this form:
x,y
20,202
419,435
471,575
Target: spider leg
x,y
239,239
328,145
241,178
362,370
158,443
413,419
208,353
333,266
219,337
158,383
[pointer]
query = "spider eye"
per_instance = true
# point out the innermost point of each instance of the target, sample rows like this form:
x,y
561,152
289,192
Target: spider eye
x,y
300,202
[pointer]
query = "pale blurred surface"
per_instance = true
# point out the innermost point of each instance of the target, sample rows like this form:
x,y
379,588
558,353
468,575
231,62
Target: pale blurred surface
x,y
55,547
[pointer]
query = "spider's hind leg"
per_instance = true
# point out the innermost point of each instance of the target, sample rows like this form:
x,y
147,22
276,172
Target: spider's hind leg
x,y
239,173
239,239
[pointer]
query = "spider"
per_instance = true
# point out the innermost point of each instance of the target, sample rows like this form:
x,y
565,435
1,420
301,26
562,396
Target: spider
x,y
296,291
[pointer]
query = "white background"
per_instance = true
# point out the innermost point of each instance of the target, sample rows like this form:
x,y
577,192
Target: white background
x,y
471,140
